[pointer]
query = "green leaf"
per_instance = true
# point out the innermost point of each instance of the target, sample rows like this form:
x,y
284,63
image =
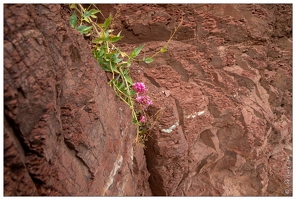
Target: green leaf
x,y
129,79
84,29
101,25
86,19
94,11
148,60
135,120
87,14
99,53
137,51
117,60
73,20
107,22
81,28
105,68
122,85
98,40
163,49
132,93
115,38
72,6
106,35
114,68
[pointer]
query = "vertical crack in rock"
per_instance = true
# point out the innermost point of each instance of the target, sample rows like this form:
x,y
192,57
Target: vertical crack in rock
x,y
234,62
62,112
229,135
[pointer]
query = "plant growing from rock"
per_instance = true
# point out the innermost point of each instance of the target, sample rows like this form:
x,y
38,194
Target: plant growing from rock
x,y
115,62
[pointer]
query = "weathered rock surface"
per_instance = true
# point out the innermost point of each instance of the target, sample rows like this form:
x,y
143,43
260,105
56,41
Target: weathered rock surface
x,y
222,103
65,131
224,92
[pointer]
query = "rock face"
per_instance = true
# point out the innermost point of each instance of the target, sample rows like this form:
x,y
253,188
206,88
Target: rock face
x,y
224,95
65,131
222,103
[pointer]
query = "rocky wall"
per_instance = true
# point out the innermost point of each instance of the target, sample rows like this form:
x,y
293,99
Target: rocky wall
x,y
222,96
222,103
65,131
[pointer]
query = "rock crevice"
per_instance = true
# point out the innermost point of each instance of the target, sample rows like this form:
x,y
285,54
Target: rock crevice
x,y
225,83
222,103
75,140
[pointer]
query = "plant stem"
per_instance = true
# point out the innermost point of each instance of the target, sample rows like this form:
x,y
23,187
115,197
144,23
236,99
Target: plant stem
x,y
166,45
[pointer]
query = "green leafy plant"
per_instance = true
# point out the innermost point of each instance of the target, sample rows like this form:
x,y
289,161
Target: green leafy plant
x,y
117,63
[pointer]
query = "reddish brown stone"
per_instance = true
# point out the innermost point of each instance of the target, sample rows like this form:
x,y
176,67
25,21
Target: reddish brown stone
x,y
226,124
66,132
222,103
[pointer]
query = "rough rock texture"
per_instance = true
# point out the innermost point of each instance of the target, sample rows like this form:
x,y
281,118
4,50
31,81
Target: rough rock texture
x,y
224,95
65,131
222,99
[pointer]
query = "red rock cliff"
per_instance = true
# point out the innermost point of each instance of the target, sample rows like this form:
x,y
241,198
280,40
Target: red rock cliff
x,y
224,91
65,131
222,103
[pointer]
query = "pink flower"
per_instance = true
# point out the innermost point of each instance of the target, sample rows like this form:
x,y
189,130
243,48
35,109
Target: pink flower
x,y
142,119
139,87
144,100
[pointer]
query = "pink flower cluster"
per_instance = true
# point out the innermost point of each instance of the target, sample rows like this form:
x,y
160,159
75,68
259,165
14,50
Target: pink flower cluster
x,y
142,119
144,100
141,97
139,87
